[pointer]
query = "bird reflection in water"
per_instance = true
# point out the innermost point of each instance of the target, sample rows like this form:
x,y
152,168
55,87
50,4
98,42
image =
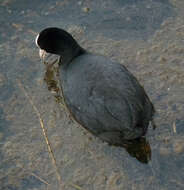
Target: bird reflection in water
x,y
51,74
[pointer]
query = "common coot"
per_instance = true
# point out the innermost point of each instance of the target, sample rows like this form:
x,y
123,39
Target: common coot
x,y
101,95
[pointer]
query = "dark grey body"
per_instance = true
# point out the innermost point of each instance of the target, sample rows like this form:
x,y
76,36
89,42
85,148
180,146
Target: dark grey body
x,y
105,98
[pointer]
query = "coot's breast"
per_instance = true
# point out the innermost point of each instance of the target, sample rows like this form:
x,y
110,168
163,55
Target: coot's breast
x,y
104,96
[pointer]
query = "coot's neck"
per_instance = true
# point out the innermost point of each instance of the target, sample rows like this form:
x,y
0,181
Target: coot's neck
x,y
68,56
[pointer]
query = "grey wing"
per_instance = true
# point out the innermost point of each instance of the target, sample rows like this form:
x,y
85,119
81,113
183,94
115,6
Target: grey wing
x,y
100,114
109,100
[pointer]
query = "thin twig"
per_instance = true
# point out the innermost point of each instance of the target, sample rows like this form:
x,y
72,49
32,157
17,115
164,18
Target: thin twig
x,y
42,180
75,186
36,176
44,133
174,127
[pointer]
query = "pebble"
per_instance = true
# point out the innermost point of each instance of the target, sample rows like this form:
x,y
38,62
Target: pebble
x,y
178,146
164,151
162,59
86,9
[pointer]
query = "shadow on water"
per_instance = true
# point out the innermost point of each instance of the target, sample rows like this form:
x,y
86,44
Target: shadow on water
x,y
114,19
122,19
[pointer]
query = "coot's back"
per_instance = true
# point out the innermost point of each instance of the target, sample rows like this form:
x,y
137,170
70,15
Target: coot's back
x,y
105,98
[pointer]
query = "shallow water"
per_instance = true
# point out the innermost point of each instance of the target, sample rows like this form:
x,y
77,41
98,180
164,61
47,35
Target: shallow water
x,y
144,35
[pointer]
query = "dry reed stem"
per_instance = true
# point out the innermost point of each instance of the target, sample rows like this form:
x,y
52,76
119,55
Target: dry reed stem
x,y
174,127
42,180
75,186
44,132
36,176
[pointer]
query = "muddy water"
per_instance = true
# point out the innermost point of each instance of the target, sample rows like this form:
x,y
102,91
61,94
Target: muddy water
x,y
146,36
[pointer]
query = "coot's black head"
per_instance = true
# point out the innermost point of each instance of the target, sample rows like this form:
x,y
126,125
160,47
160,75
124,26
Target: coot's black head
x,y
57,41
